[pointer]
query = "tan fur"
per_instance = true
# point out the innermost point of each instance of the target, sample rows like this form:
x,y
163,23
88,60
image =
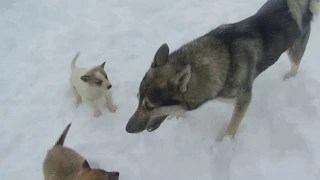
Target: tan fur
x,y
297,7
63,163
90,85
314,7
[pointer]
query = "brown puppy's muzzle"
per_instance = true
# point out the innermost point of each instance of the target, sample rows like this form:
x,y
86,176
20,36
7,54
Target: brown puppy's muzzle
x,y
113,175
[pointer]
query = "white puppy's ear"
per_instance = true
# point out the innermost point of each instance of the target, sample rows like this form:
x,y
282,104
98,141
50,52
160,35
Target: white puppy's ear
x,y
102,65
85,78
85,165
180,81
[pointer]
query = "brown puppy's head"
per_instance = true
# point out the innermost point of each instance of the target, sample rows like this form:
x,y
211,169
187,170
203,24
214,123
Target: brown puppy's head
x,y
97,77
87,173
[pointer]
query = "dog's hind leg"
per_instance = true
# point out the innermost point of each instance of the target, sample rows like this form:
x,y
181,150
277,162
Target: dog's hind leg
x,y
76,95
296,51
240,108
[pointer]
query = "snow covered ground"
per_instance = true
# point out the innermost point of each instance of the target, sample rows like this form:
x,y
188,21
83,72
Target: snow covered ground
x,y
279,138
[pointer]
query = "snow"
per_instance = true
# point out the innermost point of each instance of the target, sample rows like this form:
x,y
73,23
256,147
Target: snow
x,y
278,138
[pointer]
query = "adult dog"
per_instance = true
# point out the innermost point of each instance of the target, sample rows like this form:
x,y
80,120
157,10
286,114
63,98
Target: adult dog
x,y
223,64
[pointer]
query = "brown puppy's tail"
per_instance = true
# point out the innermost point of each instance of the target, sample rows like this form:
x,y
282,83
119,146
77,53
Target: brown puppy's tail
x,y
63,136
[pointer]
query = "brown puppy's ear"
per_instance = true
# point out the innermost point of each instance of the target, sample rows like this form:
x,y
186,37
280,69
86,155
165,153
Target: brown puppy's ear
x,y
85,78
85,165
102,65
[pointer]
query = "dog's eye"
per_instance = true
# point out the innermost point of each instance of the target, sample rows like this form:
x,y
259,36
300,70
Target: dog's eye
x,y
148,107
99,82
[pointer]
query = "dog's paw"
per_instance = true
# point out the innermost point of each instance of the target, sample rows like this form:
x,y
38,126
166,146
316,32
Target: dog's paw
x,y
112,108
78,102
97,113
289,75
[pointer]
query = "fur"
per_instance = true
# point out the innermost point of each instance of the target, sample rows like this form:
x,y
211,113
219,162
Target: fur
x,y
63,163
223,64
90,85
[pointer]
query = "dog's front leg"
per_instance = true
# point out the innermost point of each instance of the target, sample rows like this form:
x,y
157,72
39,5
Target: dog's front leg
x,y
94,106
110,105
239,111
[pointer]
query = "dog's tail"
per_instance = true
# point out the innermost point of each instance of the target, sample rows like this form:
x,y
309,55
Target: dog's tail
x,y
300,8
63,136
73,63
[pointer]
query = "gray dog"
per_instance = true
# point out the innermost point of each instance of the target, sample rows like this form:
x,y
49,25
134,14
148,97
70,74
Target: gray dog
x,y
223,64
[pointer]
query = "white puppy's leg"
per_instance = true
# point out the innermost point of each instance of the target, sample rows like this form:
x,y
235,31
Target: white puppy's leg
x,y
76,95
110,105
94,106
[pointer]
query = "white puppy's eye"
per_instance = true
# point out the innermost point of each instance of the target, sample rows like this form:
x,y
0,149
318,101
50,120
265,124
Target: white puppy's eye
x,y
99,82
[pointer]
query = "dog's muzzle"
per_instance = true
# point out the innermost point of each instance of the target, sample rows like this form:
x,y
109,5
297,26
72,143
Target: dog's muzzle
x,y
139,125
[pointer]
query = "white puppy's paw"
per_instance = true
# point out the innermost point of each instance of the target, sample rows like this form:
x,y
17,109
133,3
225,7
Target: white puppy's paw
x,y
97,113
78,102
112,108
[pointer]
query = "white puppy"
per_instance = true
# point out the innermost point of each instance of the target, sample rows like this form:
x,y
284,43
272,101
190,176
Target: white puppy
x,y
89,85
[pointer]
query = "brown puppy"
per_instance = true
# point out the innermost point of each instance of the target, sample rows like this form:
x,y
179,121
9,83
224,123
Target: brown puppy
x,y
63,163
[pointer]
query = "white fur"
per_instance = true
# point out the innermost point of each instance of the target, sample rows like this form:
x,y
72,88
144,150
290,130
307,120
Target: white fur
x,y
84,92
168,110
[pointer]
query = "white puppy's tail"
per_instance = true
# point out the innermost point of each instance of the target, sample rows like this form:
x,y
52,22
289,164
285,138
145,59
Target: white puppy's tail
x,y
73,63
298,8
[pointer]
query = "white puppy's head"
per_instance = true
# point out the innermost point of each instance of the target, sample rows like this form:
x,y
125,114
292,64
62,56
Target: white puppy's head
x,y
97,77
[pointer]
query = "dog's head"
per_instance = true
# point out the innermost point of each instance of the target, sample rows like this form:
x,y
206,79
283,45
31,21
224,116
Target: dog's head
x,y
97,77
161,92
87,173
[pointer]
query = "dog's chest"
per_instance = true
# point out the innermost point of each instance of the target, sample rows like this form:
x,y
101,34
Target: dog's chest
x,y
93,93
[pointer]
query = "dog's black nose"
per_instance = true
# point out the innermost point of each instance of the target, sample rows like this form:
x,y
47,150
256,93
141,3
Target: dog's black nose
x,y
110,86
130,128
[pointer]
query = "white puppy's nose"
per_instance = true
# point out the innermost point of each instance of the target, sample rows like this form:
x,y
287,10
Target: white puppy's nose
x,y
110,86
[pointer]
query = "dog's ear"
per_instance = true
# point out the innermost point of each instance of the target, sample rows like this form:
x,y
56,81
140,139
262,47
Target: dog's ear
x,y
161,56
181,80
85,165
85,78
102,65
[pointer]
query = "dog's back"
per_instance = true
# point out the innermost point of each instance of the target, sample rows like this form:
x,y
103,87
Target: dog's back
x,y
278,26
62,163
